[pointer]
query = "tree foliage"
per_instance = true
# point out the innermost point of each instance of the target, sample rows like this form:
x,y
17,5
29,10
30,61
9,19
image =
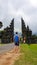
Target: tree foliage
x,y
1,24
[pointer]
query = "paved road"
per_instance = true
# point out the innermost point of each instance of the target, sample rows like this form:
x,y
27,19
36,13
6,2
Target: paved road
x,y
6,48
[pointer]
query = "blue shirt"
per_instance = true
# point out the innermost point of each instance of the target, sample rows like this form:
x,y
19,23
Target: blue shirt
x,y
16,38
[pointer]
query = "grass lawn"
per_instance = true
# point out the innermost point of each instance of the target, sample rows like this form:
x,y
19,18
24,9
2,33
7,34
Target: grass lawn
x,y
1,44
29,56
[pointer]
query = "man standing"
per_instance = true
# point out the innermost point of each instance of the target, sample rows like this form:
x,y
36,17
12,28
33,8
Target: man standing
x,y
16,39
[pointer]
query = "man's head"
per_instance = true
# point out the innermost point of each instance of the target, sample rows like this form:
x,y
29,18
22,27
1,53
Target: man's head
x,y
16,32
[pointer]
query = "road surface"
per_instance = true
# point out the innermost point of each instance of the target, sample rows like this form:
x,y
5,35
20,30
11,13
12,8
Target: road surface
x,y
9,58
6,48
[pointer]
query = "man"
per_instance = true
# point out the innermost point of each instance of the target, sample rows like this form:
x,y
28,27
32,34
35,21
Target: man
x,y
16,39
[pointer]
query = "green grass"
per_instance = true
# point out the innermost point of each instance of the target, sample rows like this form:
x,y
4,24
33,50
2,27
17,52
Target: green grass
x,y
29,56
1,44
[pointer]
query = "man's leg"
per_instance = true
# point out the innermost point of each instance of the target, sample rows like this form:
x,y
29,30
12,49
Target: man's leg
x,y
15,43
18,43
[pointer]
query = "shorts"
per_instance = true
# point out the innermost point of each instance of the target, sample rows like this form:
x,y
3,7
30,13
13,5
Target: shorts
x,y
17,43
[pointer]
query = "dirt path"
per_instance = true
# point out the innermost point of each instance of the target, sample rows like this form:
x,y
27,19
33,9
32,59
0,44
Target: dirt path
x,y
9,58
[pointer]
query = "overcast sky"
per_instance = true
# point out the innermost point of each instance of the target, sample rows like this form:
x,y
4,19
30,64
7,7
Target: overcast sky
x,y
16,9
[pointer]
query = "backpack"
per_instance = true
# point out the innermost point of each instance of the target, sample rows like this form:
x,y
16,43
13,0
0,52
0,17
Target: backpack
x,y
16,39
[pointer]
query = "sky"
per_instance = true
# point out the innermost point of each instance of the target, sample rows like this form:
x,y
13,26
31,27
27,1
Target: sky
x,y
16,9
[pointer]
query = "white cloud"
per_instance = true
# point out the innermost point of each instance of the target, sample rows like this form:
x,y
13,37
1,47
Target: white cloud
x,y
17,9
33,3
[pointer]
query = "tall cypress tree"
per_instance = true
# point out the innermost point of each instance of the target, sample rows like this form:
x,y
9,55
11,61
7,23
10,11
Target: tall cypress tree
x,y
8,33
28,34
12,28
23,28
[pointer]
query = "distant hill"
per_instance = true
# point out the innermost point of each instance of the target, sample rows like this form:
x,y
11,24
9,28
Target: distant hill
x,y
35,33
